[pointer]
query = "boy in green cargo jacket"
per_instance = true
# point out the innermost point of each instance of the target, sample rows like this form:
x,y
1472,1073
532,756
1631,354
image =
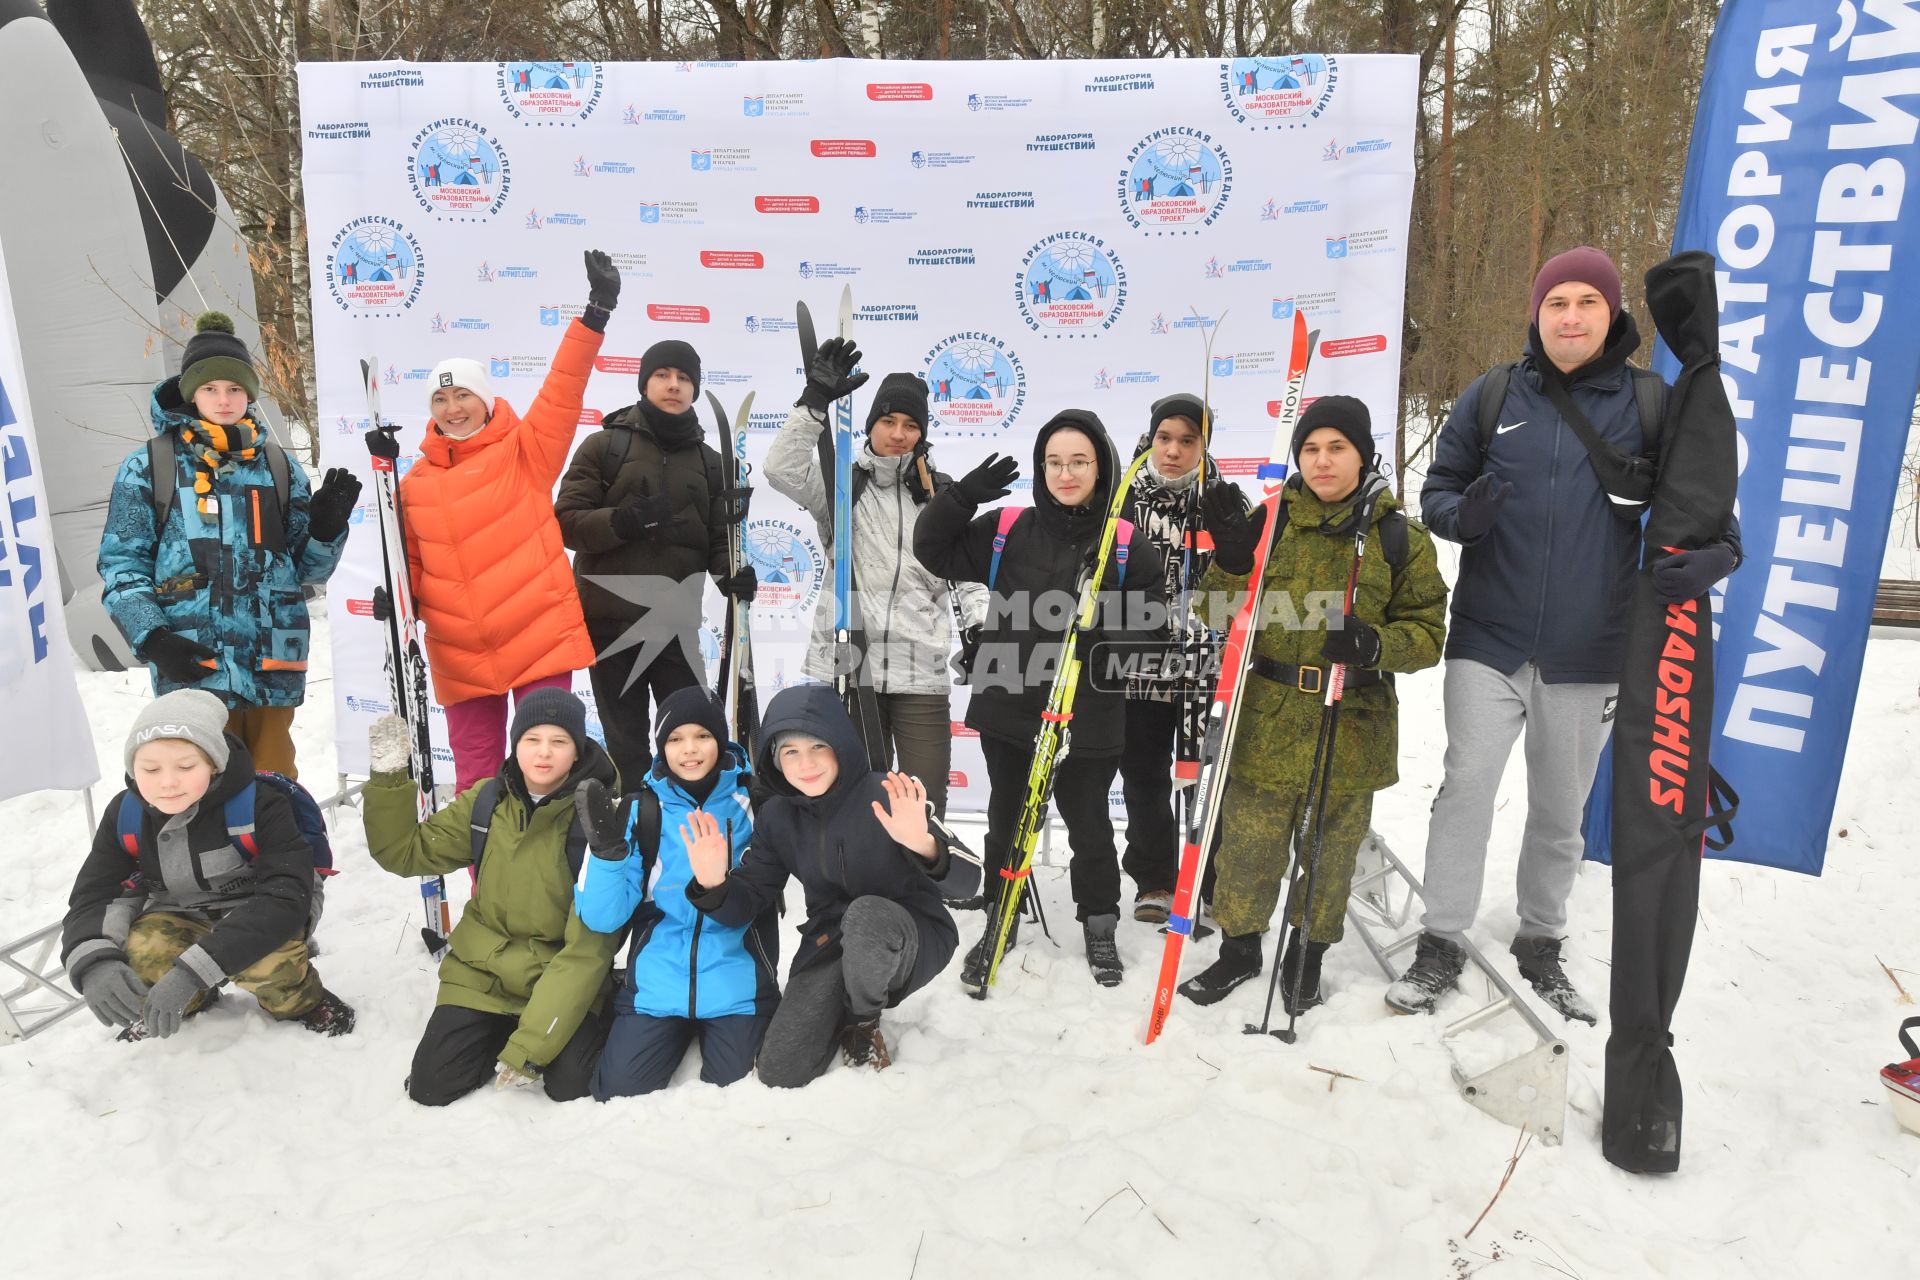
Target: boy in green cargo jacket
x,y
1397,625
522,986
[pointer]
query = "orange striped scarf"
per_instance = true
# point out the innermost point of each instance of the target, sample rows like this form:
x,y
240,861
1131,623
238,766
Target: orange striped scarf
x,y
212,447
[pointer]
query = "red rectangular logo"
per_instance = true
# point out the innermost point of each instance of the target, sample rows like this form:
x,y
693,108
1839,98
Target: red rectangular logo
x,y
900,92
843,148
591,417
360,608
732,259
616,364
1361,346
672,313
786,204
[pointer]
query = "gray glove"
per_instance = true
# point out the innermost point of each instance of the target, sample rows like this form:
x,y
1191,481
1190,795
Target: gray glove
x,y
167,1001
389,745
114,993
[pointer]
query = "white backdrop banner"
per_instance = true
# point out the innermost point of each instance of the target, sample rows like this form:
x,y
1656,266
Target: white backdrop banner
x,y
49,744
1026,237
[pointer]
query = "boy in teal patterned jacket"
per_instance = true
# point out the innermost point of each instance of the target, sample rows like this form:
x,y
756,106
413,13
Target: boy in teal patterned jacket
x,y
202,568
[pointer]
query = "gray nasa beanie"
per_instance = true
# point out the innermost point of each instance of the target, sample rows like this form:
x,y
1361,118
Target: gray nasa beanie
x,y
191,715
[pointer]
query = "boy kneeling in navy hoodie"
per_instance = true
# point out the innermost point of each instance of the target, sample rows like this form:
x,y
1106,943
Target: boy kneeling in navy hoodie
x,y
876,930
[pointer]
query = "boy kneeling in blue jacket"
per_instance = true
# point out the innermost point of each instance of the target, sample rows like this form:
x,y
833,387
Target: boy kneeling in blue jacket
x,y
687,976
876,930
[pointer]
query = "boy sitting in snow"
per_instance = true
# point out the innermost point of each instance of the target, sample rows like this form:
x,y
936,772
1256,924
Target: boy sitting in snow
x,y
876,930
152,931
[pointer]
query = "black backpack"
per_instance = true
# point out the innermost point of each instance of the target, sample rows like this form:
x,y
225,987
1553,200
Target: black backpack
x,y
1649,397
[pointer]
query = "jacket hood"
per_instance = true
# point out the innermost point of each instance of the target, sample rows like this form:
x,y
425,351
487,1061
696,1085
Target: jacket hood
x,y
594,762
167,409
1108,458
815,710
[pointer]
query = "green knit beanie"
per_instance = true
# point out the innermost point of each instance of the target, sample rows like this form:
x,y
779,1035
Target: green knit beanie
x,y
214,353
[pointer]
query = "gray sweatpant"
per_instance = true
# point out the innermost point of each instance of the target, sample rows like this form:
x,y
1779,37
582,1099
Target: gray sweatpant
x,y
1566,727
878,947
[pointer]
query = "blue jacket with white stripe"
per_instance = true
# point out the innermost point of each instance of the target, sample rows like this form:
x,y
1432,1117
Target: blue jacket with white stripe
x,y
682,963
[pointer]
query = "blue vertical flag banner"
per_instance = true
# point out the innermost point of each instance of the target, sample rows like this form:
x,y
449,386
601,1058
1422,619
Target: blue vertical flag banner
x,y
52,748
1797,179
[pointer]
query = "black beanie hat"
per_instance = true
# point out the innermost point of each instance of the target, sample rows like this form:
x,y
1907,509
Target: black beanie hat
x,y
550,706
899,393
214,353
692,705
1344,414
1179,405
670,354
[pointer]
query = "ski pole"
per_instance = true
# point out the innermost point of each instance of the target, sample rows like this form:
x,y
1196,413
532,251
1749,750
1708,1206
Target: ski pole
x,y
1322,754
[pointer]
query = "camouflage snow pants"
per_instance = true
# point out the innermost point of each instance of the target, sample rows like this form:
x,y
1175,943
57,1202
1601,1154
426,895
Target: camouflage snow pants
x,y
1258,827
282,981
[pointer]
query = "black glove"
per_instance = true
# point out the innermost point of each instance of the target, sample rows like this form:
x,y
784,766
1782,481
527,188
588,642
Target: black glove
x,y
1354,643
1235,532
383,441
331,504
962,661
991,481
180,660
1479,504
604,818
1689,575
831,377
640,513
603,281
742,584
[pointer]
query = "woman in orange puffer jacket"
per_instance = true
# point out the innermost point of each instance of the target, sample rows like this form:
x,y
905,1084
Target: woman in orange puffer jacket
x,y
490,576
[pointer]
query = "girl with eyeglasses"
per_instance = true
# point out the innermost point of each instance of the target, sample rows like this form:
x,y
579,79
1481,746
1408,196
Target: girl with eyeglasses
x,y
1034,580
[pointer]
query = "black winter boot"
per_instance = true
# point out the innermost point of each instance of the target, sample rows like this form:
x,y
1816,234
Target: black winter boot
x,y
1539,960
1239,961
1300,971
331,1017
1103,956
1437,966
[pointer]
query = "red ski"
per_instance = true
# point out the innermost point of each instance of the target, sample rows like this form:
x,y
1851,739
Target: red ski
x,y
1223,714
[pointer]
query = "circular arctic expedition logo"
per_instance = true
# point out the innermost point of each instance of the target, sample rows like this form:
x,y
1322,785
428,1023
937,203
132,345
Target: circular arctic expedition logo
x,y
787,562
458,171
374,267
1176,181
976,385
558,93
1070,285
1278,93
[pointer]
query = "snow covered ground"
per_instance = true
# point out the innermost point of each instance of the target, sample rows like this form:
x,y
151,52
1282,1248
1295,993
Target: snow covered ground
x,y
1031,1134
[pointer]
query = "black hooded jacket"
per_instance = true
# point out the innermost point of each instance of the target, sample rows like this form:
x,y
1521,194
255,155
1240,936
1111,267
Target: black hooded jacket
x,y
1043,560
832,843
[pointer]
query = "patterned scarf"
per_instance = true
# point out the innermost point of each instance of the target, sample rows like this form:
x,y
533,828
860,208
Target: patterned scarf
x,y
213,447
